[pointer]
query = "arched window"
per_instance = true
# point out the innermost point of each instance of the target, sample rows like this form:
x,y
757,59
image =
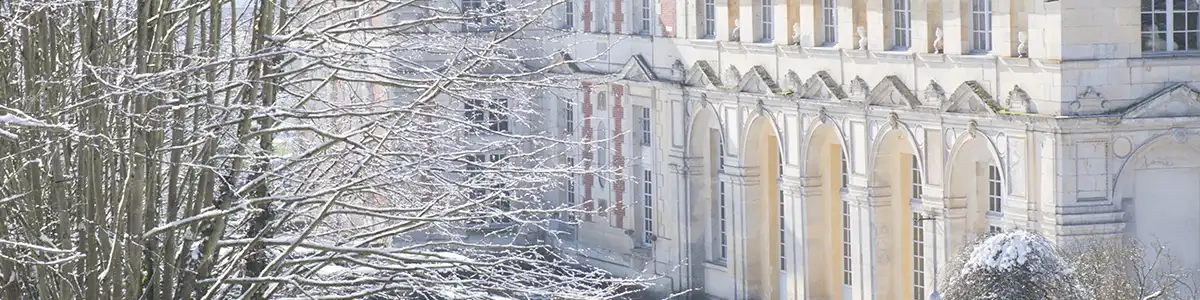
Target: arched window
x,y
1170,25
995,199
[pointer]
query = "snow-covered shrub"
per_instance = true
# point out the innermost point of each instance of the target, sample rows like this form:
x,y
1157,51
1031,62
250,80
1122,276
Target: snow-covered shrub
x,y
1015,265
1121,268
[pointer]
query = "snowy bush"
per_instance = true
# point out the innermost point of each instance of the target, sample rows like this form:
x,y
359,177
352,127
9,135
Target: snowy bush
x,y
1014,265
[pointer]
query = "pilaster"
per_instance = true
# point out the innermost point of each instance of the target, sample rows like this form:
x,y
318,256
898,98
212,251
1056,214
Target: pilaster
x,y
847,35
954,27
809,22
922,27
878,35
748,21
724,24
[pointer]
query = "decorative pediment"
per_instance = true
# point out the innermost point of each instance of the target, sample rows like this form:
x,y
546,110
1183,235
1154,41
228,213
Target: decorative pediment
x,y
702,75
970,98
859,88
564,64
1175,101
636,69
821,86
892,92
758,81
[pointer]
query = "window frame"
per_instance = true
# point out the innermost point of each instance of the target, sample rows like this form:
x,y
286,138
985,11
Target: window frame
x,y
766,21
648,207
847,246
915,189
995,193
569,15
1169,14
709,28
646,126
901,24
829,26
569,119
723,222
918,257
647,17
982,36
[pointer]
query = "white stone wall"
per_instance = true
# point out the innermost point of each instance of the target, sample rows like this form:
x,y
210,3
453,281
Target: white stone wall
x,y
1063,125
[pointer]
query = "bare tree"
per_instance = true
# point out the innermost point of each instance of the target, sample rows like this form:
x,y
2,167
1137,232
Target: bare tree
x,y
1129,269
315,149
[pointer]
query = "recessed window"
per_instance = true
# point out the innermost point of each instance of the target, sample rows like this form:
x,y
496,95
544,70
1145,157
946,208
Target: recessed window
x,y
569,16
569,119
994,190
570,191
845,170
981,26
767,20
1170,25
722,224
916,178
829,22
918,257
847,254
647,14
646,125
710,19
648,207
901,24
490,113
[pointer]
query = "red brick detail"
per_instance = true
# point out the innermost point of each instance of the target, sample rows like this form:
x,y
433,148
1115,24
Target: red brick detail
x,y
666,17
588,178
618,17
587,17
618,160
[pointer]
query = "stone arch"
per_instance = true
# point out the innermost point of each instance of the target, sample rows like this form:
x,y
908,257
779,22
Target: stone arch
x,y
705,135
967,174
761,161
890,186
1166,170
823,209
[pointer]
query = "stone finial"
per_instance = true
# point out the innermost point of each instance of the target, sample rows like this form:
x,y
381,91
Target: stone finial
x,y
862,37
737,30
796,32
1023,47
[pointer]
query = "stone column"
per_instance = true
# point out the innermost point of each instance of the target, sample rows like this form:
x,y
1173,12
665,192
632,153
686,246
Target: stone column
x,y
794,229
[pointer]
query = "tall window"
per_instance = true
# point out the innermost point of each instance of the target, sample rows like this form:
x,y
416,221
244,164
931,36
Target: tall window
x,y
710,19
569,119
601,149
722,220
981,26
916,178
1170,25
570,190
994,196
918,244
647,15
645,124
845,170
489,7
720,149
901,24
648,207
782,220
490,113
767,26
847,256
570,15
829,22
